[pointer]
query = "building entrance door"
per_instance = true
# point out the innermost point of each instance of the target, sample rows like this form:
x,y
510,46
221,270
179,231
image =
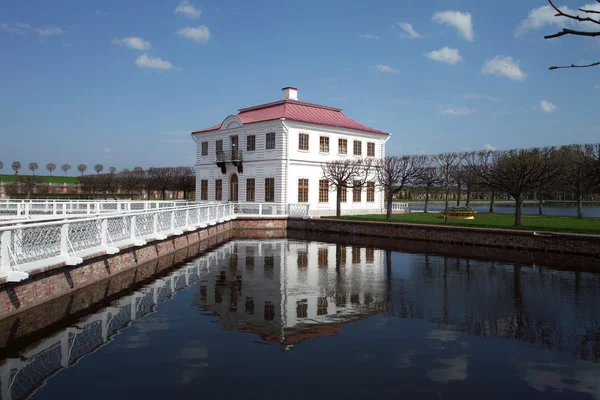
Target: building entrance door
x,y
233,188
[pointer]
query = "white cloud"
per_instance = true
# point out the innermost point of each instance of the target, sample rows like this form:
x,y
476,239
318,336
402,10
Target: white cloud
x,y
478,96
446,55
101,14
489,147
145,61
187,9
369,36
504,66
133,43
547,106
459,20
7,28
199,34
546,16
385,68
409,31
455,111
597,87
21,28
107,150
48,31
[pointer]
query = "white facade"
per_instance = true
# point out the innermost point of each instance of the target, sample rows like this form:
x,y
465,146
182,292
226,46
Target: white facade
x,y
286,163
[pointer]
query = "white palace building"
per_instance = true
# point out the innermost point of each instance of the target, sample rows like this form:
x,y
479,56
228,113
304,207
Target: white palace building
x,y
273,153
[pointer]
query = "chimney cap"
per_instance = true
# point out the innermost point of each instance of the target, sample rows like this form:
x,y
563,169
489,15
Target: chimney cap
x,y
289,87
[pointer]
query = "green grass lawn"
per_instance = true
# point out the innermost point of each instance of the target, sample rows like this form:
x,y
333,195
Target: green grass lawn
x,y
503,221
46,178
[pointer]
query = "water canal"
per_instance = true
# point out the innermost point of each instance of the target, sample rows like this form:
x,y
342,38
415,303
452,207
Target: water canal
x,y
296,319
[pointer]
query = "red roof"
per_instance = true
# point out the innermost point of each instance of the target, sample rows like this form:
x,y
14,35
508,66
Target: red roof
x,y
297,111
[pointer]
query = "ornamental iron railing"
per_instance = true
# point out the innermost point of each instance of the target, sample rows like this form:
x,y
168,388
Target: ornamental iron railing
x,y
27,246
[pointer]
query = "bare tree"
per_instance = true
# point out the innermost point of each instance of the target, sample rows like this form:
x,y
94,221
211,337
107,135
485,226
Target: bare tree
x,y
138,169
579,172
112,170
130,181
346,174
589,16
1,165
429,177
82,168
184,180
98,168
50,167
65,168
30,183
518,172
33,166
161,179
447,162
394,173
16,166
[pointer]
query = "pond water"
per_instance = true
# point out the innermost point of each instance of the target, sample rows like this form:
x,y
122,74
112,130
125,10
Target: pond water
x,y
295,319
556,210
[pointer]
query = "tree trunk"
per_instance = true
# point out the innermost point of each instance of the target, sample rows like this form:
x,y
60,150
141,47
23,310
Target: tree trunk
x,y
579,206
426,198
468,203
540,207
492,201
389,200
458,193
518,211
446,206
338,201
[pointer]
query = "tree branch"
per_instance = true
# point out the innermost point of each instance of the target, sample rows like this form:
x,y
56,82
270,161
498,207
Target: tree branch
x,y
560,13
572,32
590,11
575,66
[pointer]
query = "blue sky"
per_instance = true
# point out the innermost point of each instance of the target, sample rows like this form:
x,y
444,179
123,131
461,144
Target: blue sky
x,y
124,82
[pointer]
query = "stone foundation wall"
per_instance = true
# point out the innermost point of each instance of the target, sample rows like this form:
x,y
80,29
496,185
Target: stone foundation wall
x,y
511,239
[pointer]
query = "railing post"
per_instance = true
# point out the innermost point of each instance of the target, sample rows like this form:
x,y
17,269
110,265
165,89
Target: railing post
x,y
172,219
27,207
187,216
155,222
4,253
64,240
104,232
133,224
53,208
260,208
88,208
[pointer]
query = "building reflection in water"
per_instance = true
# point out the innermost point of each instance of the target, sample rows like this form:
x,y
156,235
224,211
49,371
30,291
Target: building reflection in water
x,y
289,291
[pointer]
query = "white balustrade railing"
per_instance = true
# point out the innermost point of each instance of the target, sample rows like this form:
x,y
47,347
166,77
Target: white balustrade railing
x,y
24,247
273,209
46,209
399,206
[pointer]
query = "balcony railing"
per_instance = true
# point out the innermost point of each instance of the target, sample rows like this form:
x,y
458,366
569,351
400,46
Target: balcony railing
x,y
229,156
234,157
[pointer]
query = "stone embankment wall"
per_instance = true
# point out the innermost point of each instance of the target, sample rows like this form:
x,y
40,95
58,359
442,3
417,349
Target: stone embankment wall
x,y
501,238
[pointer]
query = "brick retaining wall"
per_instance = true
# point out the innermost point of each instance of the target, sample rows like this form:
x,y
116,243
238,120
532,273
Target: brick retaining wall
x,y
502,238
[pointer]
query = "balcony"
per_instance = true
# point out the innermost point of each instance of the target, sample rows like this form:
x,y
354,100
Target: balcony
x,y
234,157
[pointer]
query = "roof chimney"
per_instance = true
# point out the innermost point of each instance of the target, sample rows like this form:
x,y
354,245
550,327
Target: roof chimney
x,y
290,93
